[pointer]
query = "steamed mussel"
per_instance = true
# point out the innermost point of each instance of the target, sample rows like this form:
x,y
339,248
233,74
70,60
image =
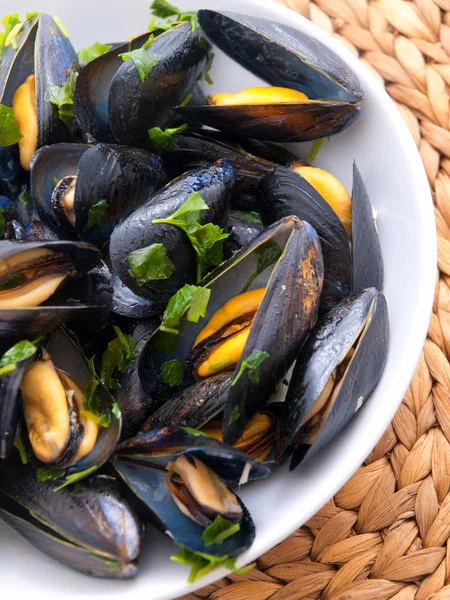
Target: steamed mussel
x,y
182,310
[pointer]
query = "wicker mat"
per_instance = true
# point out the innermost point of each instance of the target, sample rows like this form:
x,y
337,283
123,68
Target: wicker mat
x,y
386,534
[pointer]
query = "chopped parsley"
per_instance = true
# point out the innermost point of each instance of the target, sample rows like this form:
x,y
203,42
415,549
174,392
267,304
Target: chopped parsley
x,y
268,254
219,530
44,474
252,364
315,149
250,217
172,372
21,450
149,42
119,355
10,24
234,416
193,431
97,214
190,16
207,240
191,301
223,363
90,53
74,477
9,130
93,408
201,563
162,9
61,27
150,264
25,198
62,98
17,353
162,139
143,60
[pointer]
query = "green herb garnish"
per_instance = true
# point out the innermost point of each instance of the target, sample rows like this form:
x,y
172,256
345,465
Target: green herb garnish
x,y
143,61
251,364
201,563
268,254
220,365
25,198
190,16
19,352
193,431
10,23
119,355
251,217
90,53
149,42
62,98
9,130
219,530
97,214
30,15
191,301
162,139
162,9
234,415
61,27
92,404
315,149
186,100
172,372
74,477
44,474
150,264
207,240
21,450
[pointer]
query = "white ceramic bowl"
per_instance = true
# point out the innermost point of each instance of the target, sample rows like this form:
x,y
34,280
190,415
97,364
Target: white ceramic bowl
x,y
392,170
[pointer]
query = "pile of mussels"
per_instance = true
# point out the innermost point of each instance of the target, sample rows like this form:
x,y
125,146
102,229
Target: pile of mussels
x,y
160,282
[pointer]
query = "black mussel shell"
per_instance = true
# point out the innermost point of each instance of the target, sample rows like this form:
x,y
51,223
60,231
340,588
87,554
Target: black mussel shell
x,y
136,106
215,185
126,303
243,228
362,317
281,55
368,267
149,485
90,528
37,231
284,192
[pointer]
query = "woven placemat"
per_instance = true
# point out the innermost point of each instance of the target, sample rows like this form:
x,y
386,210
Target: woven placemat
x,y
386,534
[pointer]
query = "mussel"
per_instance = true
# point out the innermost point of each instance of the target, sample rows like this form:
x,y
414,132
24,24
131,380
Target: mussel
x,y
336,370
261,306
242,227
71,421
36,294
88,189
90,528
315,93
40,57
138,232
126,105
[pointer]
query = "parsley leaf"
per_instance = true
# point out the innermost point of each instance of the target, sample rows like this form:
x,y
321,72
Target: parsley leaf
x,y
21,450
92,403
143,61
149,42
251,216
62,98
44,474
193,431
120,353
30,15
172,372
234,416
252,364
20,351
201,563
191,301
315,149
97,214
25,198
223,363
90,53
9,22
150,264
74,477
190,16
162,9
219,530
207,240
9,130
160,24
162,139
268,254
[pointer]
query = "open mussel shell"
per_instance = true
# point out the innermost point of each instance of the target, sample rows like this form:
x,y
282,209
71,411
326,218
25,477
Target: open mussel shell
x,y
278,122
117,178
44,51
91,529
150,487
135,106
91,94
20,314
283,57
368,266
158,447
313,414
134,402
243,229
215,185
68,358
201,148
292,278
284,192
